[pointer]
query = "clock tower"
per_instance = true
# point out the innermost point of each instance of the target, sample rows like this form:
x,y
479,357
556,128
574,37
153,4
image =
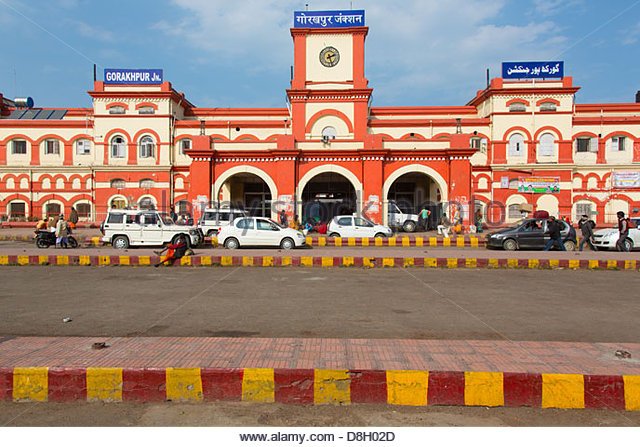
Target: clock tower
x,y
329,93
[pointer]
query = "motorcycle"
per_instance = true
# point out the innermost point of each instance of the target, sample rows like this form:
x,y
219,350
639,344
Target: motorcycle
x,y
45,239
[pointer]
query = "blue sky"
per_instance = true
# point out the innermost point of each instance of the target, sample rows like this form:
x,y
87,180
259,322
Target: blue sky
x,y
237,54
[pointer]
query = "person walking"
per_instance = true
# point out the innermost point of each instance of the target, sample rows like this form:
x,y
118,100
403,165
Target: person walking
x,y
62,232
479,221
586,228
555,237
172,213
423,218
444,226
73,218
284,222
623,229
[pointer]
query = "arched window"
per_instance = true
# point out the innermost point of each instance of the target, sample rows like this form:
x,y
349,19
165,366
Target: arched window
x,y
83,209
83,147
185,145
18,147
53,209
146,147
118,147
51,147
547,107
17,210
516,145
547,145
118,203
146,203
59,184
517,107
116,110
11,184
118,183
146,183
514,212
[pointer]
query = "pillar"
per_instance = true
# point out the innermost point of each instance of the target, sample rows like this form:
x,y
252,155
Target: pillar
x,y
68,154
286,177
373,201
200,172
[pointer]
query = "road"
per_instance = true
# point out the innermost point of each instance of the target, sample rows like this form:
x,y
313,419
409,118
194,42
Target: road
x,y
564,305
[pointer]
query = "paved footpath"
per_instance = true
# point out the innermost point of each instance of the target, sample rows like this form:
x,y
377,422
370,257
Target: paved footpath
x,y
321,371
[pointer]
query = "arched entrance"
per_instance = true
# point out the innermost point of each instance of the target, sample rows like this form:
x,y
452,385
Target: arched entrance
x,y
412,188
246,191
326,195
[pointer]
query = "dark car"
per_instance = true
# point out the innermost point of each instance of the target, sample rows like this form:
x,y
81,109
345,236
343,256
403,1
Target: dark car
x,y
529,234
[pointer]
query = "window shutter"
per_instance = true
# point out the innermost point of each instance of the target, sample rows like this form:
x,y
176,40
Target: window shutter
x,y
615,146
593,145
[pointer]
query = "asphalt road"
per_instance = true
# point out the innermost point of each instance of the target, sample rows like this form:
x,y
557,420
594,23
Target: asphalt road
x,y
564,305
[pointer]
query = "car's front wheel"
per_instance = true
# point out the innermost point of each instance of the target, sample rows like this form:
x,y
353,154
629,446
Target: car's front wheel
x,y
120,242
231,243
287,243
409,226
380,235
510,245
569,245
628,244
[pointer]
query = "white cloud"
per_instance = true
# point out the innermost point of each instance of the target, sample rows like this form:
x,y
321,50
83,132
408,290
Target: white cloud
x,y
91,31
632,36
414,47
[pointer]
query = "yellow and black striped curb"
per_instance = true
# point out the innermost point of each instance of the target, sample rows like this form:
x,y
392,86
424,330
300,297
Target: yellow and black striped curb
x,y
321,387
323,261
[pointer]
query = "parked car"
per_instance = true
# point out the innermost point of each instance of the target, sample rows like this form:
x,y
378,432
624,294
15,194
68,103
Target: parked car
x,y
130,228
529,234
259,232
607,238
398,219
213,219
354,226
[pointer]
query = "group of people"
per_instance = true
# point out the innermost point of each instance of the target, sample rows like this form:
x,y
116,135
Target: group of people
x,y
61,227
586,227
311,224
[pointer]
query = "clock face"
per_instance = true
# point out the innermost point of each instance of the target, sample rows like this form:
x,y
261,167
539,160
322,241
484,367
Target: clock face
x,y
329,57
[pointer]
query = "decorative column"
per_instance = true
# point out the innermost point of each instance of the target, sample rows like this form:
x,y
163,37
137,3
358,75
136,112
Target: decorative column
x,y
68,153
373,202
565,151
286,157
200,178
460,176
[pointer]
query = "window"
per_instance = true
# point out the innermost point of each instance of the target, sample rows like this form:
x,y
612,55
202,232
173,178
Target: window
x,y
586,144
147,183
146,110
83,147
18,147
185,145
547,107
53,209
51,147
479,144
517,107
183,207
360,222
516,144
115,218
17,209
224,217
118,203
146,147
83,210
514,212
146,204
345,221
150,219
118,183
617,143
118,147
583,208
246,224
547,145
266,225
116,110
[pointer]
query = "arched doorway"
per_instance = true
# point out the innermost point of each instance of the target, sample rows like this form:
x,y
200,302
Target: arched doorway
x,y
326,195
410,193
246,191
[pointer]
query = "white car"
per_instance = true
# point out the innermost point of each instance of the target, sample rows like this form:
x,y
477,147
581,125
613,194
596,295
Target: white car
x,y
259,232
354,226
607,238
129,228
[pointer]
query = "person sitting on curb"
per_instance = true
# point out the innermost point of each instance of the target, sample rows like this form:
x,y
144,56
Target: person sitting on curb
x,y
444,226
174,252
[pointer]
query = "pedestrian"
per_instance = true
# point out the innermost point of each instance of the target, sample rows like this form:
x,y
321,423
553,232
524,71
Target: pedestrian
x,y
284,222
172,213
174,252
62,232
73,217
555,237
623,229
423,218
586,228
444,226
295,223
479,221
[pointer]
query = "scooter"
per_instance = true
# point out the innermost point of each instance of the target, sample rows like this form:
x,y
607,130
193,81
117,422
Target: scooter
x,y
45,239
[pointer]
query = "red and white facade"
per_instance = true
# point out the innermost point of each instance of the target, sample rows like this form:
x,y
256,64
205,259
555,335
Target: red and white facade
x,y
141,145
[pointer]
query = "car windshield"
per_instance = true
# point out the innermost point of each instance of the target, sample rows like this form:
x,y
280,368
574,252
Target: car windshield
x,y
166,219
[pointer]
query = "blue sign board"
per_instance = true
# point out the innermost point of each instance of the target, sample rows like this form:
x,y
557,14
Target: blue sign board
x,y
328,19
132,76
532,70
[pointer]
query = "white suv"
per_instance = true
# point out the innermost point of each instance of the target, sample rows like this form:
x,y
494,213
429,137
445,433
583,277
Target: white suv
x,y
215,218
398,219
128,228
